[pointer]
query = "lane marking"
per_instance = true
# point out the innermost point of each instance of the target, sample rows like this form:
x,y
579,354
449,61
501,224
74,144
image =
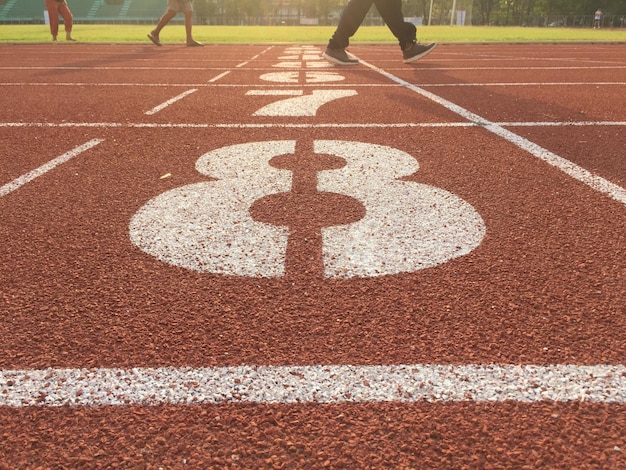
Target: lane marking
x,y
208,227
571,169
139,125
31,175
520,84
243,64
306,105
309,77
220,76
293,64
315,79
162,106
298,65
275,93
313,384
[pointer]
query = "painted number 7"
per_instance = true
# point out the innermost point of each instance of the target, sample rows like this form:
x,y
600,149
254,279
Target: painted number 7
x,y
299,104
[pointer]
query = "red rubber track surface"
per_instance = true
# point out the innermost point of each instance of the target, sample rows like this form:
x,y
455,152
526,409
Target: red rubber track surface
x,y
547,285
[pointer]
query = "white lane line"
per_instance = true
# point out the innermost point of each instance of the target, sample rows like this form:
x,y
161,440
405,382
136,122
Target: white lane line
x,y
220,76
571,169
519,84
211,83
223,74
140,125
31,175
162,106
566,166
563,124
275,93
314,384
435,69
243,64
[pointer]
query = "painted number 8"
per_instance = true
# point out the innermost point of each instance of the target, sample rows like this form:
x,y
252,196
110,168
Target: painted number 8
x,y
207,226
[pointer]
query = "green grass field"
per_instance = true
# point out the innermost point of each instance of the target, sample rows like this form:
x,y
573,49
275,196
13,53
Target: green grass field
x,y
310,34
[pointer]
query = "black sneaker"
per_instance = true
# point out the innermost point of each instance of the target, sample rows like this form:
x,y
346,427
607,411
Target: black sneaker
x,y
339,56
417,51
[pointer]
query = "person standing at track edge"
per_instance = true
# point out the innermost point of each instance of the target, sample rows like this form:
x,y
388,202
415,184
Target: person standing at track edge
x,y
173,8
597,19
56,9
353,15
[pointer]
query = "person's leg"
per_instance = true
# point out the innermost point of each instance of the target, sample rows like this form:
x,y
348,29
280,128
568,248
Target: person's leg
x,y
405,32
53,15
68,20
391,13
351,18
188,25
165,19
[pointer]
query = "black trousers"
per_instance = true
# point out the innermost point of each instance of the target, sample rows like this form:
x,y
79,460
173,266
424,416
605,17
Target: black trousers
x,y
354,13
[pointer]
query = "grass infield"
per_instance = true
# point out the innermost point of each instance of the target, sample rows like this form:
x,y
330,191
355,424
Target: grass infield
x,y
310,34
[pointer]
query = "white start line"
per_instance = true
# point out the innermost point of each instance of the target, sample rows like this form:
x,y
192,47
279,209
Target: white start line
x,y
313,384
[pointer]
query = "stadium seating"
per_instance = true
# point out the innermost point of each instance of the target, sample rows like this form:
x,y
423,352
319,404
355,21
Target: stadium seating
x,y
85,11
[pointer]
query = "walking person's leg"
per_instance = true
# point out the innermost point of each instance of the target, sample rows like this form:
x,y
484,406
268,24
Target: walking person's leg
x,y
391,12
405,32
188,11
165,19
352,16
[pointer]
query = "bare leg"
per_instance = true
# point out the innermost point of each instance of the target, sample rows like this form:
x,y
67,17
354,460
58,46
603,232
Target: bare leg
x,y
154,34
188,25
165,19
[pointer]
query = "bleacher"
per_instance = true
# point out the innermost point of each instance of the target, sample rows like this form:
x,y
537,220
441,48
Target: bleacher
x,y
80,8
21,11
85,11
146,8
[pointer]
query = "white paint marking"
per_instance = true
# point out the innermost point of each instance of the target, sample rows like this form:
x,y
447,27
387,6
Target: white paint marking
x,y
162,106
281,77
288,65
313,384
243,64
323,77
437,69
320,64
275,93
307,105
207,226
407,226
508,84
309,77
218,77
374,125
571,169
315,77
31,175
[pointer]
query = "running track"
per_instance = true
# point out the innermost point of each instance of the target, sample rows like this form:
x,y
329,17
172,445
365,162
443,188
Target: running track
x,y
244,257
